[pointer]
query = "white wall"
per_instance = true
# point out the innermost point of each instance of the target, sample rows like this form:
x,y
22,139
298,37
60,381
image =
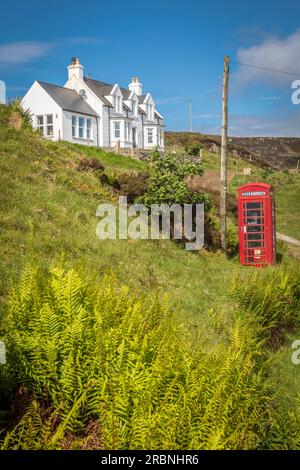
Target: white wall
x,y
95,103
38,102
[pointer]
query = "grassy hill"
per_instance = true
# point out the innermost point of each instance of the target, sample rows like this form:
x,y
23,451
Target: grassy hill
x,y
204,352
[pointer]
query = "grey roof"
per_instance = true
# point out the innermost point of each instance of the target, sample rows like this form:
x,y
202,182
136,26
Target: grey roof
x,y
142,98
67,99
101,89
125,92
141,111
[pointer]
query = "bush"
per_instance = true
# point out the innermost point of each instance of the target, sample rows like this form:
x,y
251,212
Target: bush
x,y
132,184
168,185
14,115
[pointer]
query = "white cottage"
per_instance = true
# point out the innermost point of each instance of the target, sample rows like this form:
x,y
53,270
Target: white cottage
x,y
90,112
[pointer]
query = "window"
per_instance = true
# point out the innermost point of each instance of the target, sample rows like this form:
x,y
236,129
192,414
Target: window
x,y
119,104
150,112
117,130
74,126
150,135
49,124
88,128
81,127
40,123
45,124
134,107
127,131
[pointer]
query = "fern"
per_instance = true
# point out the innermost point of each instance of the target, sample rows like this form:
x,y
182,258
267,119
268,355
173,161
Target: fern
x,y
102,355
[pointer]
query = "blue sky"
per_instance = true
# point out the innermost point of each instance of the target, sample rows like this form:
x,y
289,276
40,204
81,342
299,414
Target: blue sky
x,y
175,47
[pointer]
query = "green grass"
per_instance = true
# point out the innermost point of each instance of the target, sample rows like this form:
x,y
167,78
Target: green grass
x,y
48,210
48,215
109,159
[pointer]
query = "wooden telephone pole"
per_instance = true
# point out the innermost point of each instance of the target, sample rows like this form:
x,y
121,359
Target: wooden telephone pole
x,y
223,185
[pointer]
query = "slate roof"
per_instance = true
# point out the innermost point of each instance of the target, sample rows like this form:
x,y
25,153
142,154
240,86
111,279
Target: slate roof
x,y
142,98
102,89
67,99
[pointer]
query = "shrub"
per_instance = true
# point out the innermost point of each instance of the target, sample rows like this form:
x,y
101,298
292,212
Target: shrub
x,y
132,184
169,185
14,115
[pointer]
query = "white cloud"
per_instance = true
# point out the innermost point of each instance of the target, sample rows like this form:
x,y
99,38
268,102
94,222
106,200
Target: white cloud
x,y
84,40
273,53
270,98
267,126
23,51
206,116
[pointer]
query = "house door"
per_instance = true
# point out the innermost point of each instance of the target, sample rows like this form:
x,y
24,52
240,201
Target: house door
x,y
134,137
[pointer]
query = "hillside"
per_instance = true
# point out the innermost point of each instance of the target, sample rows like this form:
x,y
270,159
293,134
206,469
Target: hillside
x,y
200,351
274,152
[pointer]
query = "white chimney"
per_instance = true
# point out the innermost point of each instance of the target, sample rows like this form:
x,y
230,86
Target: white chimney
x,y
136,86
75,68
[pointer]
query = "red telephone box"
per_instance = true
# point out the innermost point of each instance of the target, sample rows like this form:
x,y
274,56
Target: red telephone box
x,y
256,219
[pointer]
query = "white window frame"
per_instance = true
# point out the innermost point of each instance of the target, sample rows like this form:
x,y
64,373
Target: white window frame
x,y
45,126
134,107
81,119
40,126
150,112
150,131
89,128
127,131
74,126
117,123
87,131
117,104
49,125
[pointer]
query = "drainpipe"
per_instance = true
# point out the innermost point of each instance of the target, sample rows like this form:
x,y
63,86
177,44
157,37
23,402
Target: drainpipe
x,y
142,131
108,107
98,128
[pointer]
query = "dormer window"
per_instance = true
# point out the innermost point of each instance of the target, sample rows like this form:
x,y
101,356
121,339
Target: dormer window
x,y
118,104
150,112
134,107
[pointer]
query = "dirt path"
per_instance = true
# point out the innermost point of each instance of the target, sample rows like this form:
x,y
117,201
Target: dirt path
x,y
293,244
286,239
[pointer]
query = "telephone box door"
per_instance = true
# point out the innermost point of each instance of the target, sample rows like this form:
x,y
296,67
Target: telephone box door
x,y
256,224
254,232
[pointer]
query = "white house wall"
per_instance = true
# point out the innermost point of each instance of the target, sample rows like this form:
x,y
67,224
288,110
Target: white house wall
x,y
38,102
75,84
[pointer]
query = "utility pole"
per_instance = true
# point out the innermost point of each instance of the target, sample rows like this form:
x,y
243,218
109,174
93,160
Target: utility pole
x,y
223,185
191,115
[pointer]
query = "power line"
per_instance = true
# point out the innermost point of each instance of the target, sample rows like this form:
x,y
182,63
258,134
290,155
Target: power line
x,y
266,68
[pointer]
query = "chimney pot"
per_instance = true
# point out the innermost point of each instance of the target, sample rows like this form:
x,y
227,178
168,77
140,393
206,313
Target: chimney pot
x,y
135,85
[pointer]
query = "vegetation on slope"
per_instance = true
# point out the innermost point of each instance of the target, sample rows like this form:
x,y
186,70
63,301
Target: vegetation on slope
x,y
218,374
96,357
